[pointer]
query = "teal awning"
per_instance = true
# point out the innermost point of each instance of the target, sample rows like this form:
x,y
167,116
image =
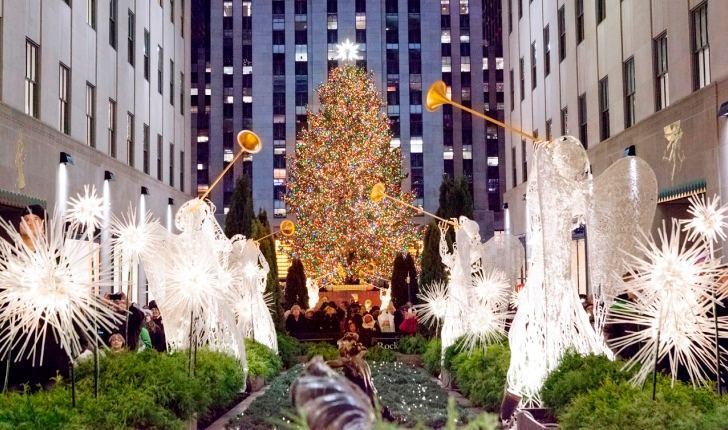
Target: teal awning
x,y
682,191
17,200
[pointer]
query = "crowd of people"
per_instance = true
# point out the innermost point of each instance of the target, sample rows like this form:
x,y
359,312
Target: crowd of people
x,y
330,320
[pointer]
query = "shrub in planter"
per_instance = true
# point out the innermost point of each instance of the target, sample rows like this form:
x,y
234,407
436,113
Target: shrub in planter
x,y
431,356
578,374
416,344
377,353
619,405
481,374
289,348
326,350
262,361
147,390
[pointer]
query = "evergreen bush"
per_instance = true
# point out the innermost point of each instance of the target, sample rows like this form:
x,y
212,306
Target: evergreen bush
x,y
289,348
326,350
416,344
578,374
480,374
619,405
377,353
136,390
432,356
262,361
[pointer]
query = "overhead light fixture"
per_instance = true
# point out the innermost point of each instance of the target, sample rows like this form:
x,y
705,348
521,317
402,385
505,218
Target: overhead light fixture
x,y
723,110
66,158
145,191
108,176
170,201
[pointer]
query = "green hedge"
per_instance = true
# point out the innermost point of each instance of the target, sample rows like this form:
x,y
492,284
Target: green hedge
x,y
377,353
147,390
328,351
416,344
431,356
619,405
480,374
262,361
578,374
289,348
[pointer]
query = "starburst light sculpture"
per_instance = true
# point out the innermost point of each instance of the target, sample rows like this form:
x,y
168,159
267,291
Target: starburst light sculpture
x,y
672,284
47,291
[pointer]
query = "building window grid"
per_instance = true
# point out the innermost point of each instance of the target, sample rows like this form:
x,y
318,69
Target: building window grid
x,y
160,154
111,131
145,137
629,93
182,171
604,108
534,67
32,86
583,122
522,78
130,139
91,13
601,10
90,115
524,161
64,92
171,164
130,39
172,93
701,47
160,69
562,32
146,53
546,52
112,22
579,21
662,89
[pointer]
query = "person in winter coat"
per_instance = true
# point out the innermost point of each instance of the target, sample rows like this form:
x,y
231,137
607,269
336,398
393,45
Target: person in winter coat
x,y
295,323
409,325
159,337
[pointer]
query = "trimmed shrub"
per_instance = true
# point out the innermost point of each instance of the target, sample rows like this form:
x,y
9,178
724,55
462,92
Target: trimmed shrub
x,y
146,390
262,361
377,353
578,374
289,348
326,350
431,356
619,405
416,344
481,374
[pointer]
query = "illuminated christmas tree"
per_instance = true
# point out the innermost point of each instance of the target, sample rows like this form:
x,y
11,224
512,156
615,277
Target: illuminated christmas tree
x,y
346,149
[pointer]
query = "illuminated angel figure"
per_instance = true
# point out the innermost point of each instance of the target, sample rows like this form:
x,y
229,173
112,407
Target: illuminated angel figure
x,y
550,318
47,289
671,290
251,308
192,281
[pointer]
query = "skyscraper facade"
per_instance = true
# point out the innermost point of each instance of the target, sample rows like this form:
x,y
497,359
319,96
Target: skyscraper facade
x,y
95,92
631,77
256,65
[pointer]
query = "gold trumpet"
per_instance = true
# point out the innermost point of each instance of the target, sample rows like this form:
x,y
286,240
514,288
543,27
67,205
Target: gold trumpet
x,y
287,228
249,142
437,96
379,193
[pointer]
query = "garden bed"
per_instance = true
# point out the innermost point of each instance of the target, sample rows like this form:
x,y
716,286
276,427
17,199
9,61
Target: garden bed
x,y
410,394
